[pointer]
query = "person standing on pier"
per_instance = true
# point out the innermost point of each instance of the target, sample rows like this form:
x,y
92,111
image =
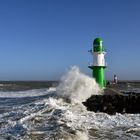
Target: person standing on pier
x,y
115,79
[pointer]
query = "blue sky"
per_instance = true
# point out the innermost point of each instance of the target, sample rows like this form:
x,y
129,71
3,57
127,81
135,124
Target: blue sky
x,y
41,39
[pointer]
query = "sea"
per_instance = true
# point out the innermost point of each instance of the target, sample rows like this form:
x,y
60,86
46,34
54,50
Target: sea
x,y
54,111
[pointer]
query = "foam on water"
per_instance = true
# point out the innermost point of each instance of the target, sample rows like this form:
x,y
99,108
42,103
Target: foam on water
x,y
29,93
54,117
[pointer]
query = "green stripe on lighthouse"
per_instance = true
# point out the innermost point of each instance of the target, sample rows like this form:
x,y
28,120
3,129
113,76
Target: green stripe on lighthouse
x,y
98,68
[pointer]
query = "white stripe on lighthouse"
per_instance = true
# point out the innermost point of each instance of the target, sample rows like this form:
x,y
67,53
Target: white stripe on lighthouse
x,y
99,59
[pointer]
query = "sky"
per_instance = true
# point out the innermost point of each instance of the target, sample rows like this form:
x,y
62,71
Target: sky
x,y
42,39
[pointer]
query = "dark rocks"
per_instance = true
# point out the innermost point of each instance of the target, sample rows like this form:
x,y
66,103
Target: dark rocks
x,y
114,103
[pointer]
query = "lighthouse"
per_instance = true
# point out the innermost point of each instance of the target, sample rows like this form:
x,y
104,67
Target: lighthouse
x,y
99,64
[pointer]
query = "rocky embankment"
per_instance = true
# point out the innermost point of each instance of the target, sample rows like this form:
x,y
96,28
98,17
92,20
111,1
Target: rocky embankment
x,y
112,101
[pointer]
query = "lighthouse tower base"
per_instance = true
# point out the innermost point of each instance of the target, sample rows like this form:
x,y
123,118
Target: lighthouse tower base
x,y
98,74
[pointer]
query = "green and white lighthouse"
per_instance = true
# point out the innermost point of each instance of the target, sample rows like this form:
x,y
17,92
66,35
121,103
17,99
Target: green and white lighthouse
x,y
99,64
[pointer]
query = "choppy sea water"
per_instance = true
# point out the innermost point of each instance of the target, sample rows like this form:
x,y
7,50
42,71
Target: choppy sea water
x,y
57,113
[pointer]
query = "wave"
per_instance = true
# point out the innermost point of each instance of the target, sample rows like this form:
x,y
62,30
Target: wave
x,y
27,93
61,115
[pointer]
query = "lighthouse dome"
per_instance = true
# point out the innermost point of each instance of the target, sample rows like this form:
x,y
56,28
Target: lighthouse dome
x,y
98,45
97,41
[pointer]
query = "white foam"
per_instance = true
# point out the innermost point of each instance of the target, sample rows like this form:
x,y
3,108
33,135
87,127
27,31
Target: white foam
x,y
27,93
77,86
81,135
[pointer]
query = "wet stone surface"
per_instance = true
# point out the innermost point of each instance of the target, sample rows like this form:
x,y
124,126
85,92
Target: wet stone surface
x,y
114,103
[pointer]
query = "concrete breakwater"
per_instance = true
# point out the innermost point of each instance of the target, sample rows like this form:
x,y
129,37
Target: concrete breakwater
x,y
112,103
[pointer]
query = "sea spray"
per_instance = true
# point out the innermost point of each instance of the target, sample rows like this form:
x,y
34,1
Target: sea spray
x,y
77,86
